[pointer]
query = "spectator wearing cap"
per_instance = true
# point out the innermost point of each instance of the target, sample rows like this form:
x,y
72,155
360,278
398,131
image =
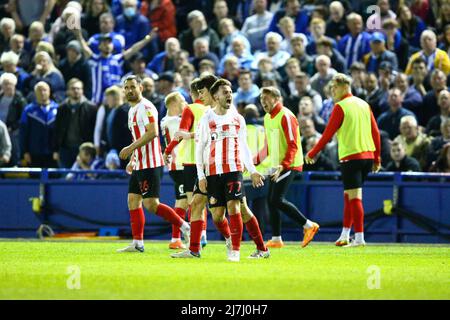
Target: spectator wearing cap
x,y
74,124
229,32
389,121
434,57
239,51
299,52
355,44
416,143
65,33
411,27
45,70
75,66
134,27
108,66
396,43
107,24
336,25
325,47
198,28
292,9
323,75
287,28
9,61
37,125
165,60
248,92
256,25
378,54
138,67
273,51
434,124
12,104
201,52
401,162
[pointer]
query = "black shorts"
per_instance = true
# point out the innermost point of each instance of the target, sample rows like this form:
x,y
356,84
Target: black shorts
x,y
225,187
354,172
146,182
178,184
190,178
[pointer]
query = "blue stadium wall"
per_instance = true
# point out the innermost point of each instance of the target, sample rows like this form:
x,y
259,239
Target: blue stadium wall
x,y
101,205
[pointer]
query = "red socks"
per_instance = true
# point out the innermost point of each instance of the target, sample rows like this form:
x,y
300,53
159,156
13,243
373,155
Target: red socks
x,y
236,230
196,234
137,219
252,227
347,213
168,214
176,234
357,211
223,228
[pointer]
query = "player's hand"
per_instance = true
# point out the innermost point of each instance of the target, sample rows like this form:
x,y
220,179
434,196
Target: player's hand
x,y
376,167
166,158
274,176
125,153
179,135
202,185
152,34
309,160
257,179
129,168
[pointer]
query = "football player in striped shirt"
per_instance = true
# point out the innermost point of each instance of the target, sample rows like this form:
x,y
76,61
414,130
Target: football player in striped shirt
x,y
145,166
174,103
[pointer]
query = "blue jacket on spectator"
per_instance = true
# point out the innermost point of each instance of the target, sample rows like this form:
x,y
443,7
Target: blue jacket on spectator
x,y
37,127
22,77
55,81
246,96
117,38
134,30
116,7
346,47
158,63
301,21
390,121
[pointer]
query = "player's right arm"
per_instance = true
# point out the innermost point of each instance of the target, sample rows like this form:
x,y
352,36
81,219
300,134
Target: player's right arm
x,y
187,121
201,140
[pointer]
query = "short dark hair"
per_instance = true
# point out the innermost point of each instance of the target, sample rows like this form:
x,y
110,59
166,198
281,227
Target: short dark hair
x,y
89,148
206,81
194,85
219,83
133,77
419,60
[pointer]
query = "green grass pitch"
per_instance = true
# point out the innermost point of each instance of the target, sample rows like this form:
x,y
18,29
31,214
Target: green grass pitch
x,y
49,270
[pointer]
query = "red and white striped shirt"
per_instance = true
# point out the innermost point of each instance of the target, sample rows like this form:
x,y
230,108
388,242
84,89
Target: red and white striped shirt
x,y
170,125
149,155
221,144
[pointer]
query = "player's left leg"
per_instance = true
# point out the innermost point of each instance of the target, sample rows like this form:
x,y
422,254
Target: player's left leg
x,y
252,226
236,228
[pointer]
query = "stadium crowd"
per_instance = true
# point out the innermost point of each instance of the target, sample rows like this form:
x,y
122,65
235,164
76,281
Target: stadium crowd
x,y
62,62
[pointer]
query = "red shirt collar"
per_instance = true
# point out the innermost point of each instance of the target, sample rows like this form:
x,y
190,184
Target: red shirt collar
x,y
275,110
198,101
347,95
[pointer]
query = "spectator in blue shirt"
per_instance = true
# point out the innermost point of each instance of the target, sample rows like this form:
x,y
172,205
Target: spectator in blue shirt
x,y
354,45
134,27
239,51
378,54
9,61
107,24
389,121
165,60
248,92
37,127
292,9
86,160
